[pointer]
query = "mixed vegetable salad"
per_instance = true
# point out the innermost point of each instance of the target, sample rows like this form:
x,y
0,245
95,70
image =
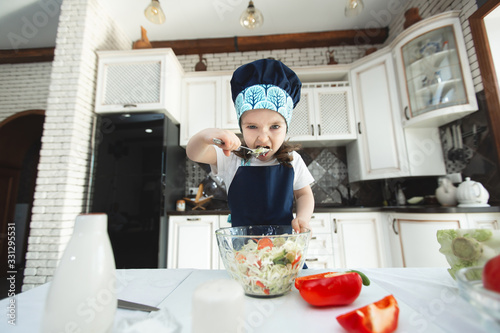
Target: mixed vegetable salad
x,y
267,266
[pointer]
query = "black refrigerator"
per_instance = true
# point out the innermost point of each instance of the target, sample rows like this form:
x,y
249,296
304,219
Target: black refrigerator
x,y
138,174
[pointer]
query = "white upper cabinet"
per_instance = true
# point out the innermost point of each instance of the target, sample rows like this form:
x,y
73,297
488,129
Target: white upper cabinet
x,y
139,81
206,103
434,74
379,151
324,113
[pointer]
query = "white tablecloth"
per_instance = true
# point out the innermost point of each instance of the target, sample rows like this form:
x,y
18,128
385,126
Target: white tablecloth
x,y
428,299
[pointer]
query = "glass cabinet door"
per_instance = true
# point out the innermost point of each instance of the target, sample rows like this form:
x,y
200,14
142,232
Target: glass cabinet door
x,y
433,73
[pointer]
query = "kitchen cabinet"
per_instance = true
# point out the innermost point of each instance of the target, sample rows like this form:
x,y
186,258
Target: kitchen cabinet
x,y
380,151
320,250
483,221
433,70
192,242
206,102
384,149
139,80
413,238
346,240
324,114
358,240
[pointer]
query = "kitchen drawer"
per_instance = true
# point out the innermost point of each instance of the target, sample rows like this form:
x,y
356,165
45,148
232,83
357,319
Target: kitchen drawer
x,y
319,261
321,243
320,223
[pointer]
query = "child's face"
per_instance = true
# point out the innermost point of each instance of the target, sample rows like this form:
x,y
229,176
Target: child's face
x,y
263,128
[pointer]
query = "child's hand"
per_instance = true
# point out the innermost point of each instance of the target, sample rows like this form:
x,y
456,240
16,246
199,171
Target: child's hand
x,y
300,225
229,140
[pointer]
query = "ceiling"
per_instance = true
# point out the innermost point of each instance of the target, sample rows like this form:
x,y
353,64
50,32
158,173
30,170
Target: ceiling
x,y
33,23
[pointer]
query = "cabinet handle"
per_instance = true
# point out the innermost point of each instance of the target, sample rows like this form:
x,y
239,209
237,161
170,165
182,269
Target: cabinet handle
x,y
394,227
194,219
359,127
314,237
312,259
334,226
319,129
312,130
130,105
406,113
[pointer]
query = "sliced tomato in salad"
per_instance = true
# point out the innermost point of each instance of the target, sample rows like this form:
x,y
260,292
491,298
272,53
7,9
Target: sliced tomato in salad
x,y
263,243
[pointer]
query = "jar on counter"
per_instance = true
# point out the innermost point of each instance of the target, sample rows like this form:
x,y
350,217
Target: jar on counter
x,y
180,205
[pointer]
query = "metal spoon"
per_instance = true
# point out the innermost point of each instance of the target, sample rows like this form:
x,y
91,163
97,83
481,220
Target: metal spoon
x,y
255,152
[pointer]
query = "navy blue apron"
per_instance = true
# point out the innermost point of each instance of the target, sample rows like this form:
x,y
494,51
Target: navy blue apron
x,y
261,195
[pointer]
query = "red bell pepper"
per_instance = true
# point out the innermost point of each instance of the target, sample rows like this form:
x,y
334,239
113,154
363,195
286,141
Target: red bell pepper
x,y
378,317
327,289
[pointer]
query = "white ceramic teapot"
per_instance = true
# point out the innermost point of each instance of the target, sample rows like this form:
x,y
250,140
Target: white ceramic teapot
x,y
446,193
472,194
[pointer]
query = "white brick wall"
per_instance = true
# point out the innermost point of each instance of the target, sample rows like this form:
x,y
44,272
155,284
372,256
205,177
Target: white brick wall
x,y
62,181
291,57
23,87
66,88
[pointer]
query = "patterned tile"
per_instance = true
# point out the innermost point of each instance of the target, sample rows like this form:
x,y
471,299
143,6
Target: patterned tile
x,y
326,159
316,170
320,196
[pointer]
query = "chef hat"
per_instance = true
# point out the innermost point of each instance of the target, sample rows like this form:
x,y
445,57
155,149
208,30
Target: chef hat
x,y
265,84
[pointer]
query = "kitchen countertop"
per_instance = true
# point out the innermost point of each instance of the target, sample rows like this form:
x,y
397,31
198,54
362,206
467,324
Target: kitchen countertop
x,y
363,209
428,299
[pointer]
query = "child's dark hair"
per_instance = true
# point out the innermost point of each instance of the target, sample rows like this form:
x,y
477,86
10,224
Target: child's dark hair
x,y
283,155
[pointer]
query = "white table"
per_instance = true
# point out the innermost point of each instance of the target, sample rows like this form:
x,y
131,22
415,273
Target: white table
x,y
428,300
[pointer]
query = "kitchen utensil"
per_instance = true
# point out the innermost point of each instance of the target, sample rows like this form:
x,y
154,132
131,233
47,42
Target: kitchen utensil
x,y
470,286
198,201
450,140
263,259
122,304
472,194
255,152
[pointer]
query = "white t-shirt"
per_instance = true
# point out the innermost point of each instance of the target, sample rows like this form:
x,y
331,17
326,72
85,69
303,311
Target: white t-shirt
x,y
228,165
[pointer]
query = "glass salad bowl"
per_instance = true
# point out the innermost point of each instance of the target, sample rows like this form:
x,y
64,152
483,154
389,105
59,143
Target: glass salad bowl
x,y
470,286
264,259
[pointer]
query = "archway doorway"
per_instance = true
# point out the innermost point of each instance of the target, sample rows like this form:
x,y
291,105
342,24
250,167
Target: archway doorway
x,y
20,141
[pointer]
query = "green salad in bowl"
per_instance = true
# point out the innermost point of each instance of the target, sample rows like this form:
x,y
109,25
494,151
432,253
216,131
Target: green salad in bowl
x,y
264,259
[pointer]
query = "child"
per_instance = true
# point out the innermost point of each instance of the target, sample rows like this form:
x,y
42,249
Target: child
x,y
260,189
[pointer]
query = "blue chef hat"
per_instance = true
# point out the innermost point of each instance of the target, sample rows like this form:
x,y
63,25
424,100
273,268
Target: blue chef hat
x,y
265,84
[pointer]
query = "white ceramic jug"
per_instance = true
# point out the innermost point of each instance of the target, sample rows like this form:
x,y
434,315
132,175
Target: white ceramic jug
x,y
472,194
446,193
82,295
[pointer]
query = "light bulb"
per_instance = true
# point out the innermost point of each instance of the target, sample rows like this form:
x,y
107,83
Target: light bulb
x,y
353,7
251,18
154,13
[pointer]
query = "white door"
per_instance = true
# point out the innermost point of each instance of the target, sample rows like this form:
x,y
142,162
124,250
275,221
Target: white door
x,y
191,242
357,243
379,151
419,245
200,106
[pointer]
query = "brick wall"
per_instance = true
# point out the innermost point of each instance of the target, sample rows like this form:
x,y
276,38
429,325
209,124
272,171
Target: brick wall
x,y
62,181
23,87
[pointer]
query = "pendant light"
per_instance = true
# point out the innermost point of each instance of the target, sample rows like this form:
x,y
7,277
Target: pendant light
x,y
353,7
251,18
154,13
